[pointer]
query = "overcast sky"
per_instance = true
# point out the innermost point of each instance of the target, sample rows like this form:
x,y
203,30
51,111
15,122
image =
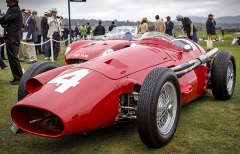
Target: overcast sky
x,y
132,10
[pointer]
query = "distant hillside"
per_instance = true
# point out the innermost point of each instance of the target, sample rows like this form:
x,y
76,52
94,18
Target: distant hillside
x,y
226,19
224,22
229,19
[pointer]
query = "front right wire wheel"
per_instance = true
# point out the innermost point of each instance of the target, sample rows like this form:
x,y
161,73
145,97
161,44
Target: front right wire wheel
x,y
158,108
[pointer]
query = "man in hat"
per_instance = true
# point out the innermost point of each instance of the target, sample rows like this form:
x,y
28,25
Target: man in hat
x,y
31,36
159,25
45,27
39,32
55,30
210,27
169,26
12,23
188,27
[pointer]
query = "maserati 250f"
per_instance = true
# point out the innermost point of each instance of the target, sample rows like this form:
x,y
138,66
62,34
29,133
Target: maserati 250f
x,y
147,82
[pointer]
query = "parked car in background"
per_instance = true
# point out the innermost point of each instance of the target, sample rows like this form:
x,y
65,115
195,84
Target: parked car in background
x,y
118,31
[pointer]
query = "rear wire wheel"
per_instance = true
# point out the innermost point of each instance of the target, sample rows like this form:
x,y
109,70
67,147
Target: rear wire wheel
x,y
223,75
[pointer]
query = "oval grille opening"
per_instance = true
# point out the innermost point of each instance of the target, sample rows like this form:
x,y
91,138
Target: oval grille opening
x,y
37,121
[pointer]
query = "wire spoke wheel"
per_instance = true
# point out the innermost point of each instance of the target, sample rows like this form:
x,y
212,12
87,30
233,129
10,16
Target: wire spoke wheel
x,y
158,108
230,76
33,70
166,108
223,75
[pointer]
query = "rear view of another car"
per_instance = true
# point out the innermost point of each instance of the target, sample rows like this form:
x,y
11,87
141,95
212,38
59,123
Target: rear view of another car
x,y
84,50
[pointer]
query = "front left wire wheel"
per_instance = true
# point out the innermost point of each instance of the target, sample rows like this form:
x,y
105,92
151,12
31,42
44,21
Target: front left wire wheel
x,y
33,70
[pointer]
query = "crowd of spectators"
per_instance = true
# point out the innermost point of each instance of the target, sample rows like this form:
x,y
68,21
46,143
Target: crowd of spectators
x,y
36,29
29,36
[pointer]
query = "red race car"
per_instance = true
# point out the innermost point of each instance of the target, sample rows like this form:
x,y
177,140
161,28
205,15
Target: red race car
x,y
147,82
84,50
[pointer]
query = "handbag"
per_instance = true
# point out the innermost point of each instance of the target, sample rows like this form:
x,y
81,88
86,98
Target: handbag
x,y
209,42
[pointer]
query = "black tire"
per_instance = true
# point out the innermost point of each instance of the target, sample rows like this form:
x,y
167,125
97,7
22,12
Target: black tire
x,y
33,70
156,131
223,75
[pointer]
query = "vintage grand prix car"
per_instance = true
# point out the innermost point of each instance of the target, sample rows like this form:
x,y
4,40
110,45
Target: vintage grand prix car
x,y
147,82
84,50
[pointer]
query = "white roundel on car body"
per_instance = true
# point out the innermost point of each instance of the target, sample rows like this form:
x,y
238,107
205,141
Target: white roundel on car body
x,y
108,51
67,49
133,45
64,82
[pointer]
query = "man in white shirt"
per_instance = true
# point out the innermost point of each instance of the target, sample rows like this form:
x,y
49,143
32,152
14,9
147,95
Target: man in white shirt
x,y
55,25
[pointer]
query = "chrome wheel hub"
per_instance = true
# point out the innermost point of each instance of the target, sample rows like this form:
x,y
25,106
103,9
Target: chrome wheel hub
x,y
230,77
166,108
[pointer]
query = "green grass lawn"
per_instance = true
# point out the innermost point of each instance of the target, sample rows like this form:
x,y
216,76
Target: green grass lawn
x,y
205,126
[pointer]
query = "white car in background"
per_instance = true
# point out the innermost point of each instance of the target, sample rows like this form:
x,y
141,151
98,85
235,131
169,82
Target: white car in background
x,y
118,32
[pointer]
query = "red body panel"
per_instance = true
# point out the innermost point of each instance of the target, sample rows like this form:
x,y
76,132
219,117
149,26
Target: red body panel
x,y
78,113
127,61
